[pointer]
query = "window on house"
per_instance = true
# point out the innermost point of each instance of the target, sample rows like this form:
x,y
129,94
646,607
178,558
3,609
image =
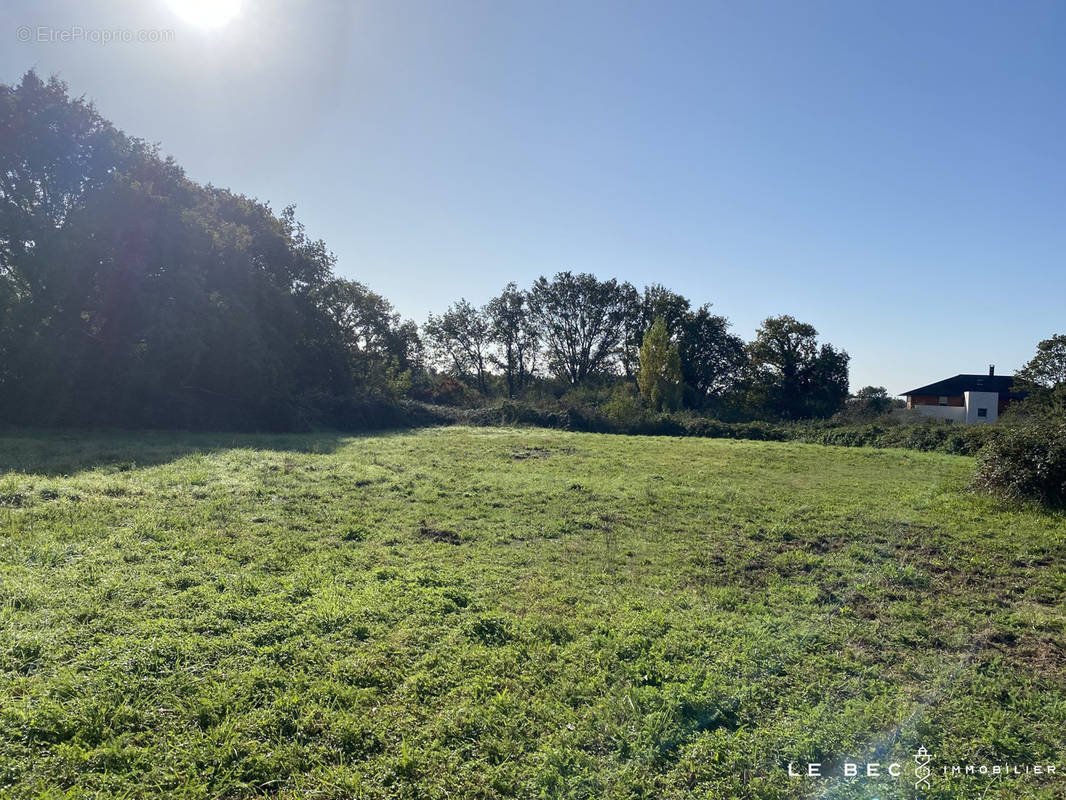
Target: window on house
x,y
943,400
982,412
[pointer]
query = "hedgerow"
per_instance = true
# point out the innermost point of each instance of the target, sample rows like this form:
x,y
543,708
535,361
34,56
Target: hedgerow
x,y
1025,462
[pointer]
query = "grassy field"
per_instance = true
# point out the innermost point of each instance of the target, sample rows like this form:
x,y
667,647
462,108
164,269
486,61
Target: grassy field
x,y
460,613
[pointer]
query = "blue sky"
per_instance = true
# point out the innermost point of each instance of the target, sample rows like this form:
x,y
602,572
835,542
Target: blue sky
x,y
893,173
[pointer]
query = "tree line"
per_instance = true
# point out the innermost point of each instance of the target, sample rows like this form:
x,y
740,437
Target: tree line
x,y
132,295
576,330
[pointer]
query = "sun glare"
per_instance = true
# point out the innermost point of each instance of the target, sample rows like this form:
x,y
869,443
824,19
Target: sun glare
x,y
206,13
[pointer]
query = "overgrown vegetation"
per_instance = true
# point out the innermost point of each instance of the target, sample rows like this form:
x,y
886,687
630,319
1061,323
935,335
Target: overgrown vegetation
x,y
1026,462
132,296
499,613
1026,459
623,414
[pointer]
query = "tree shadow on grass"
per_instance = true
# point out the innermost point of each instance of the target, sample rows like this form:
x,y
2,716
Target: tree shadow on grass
x,y
54,453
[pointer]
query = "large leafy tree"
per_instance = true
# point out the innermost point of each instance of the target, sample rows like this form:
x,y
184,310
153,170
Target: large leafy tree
x,y
132,295
632,326
1046,369
665,304
461,340
578,320
826,383
660,369
639,310
1043,378
514,336
712,359
791,375
382,349
54,153
867,404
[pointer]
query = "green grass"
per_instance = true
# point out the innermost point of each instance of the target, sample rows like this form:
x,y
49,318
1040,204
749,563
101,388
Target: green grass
x,y
462,613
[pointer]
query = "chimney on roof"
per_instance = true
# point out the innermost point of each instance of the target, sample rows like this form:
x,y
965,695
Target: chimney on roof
x,y
991,370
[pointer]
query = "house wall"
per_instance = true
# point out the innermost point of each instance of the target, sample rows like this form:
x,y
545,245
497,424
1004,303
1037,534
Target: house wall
x,y
954,413
989,401
957,400
961,409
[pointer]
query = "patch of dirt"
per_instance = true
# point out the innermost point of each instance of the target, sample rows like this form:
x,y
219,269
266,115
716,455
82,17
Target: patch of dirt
x,y
821,544
1042,653
434,534
522,453
537,451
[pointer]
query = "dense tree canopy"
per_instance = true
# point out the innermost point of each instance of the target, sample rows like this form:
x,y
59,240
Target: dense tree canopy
x,y
516,338
1046,369
712,359
131,295
1043,379
461,338
579,318
381,349
660,369
638,313
791,375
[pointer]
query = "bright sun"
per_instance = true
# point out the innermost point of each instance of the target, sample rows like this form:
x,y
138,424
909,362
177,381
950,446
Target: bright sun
x,y
206,13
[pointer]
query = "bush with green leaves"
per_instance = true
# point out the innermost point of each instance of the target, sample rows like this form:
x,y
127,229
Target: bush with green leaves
x,y
1026,463
624,408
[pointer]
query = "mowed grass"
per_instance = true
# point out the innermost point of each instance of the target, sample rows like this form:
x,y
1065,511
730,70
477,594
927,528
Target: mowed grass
x,y
457,613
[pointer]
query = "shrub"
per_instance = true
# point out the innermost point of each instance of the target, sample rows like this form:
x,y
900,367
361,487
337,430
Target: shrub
x,y
623,413
353,414
1025,462
448,391
930,435
624,409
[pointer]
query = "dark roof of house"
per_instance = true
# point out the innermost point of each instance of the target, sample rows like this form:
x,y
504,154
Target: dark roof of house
x,y
951,387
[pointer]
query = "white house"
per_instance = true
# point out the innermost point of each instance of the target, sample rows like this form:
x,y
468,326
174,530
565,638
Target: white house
x,y
968,399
